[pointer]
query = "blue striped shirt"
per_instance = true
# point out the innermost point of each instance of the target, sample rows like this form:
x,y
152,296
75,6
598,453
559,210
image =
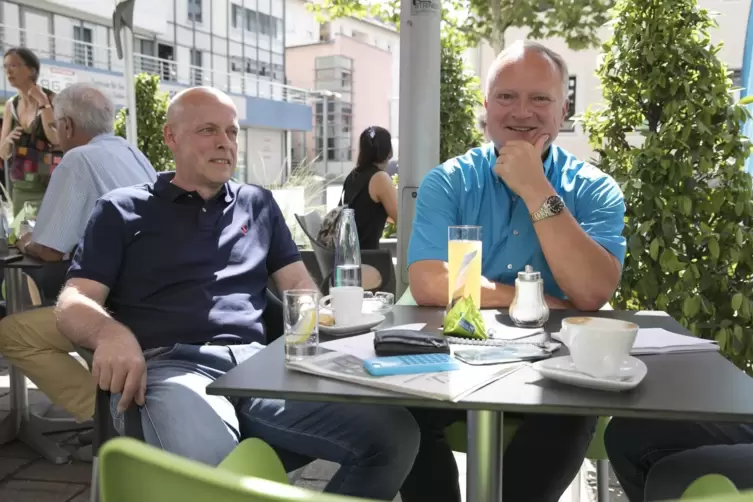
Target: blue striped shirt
x,y
85,174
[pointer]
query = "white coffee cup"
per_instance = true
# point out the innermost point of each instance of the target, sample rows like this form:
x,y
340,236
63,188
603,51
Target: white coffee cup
x,y
346,303
597,345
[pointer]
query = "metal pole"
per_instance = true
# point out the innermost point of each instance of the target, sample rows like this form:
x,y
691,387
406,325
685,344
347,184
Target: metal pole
x,y
325,131
288,154
131,129
485,441
418,114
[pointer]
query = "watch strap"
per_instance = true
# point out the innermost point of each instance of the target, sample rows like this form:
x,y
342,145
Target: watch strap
x,y
552,206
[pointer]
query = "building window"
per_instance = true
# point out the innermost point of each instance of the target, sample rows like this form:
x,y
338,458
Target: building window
x,y
237,16
83,51
569,123
145,59
236,64
197,74
194,10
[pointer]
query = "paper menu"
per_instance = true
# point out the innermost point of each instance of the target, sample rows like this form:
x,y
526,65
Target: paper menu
x,y
360,346
661,341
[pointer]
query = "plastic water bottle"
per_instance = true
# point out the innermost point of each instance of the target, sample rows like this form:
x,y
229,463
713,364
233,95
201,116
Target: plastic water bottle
x,y
347,251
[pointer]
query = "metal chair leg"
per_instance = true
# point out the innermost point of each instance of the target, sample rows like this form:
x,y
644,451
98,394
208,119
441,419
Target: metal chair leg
x,y
602,480
94,488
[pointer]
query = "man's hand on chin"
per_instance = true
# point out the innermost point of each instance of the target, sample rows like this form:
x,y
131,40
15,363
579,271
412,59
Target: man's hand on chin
x,y
520,166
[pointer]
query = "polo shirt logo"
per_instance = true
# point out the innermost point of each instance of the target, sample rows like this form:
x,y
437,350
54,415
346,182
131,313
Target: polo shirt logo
x,y
244,229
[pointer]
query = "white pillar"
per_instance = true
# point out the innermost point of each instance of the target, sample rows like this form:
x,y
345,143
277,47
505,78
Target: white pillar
x,y
122,24
130,86
288,154
419,113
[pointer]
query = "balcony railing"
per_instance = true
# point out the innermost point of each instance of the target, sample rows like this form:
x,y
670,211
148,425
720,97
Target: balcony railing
x,y
98,57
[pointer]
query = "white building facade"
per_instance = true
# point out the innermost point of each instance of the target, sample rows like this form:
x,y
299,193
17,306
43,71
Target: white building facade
x,y
234,45
368,84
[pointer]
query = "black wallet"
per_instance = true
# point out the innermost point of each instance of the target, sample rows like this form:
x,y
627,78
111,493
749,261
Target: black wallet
x,y
402,342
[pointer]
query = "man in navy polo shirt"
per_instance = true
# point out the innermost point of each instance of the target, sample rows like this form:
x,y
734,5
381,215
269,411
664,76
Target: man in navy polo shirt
x,y
539,205
168,288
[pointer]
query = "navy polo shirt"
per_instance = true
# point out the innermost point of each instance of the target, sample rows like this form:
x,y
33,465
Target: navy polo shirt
x,y
181,269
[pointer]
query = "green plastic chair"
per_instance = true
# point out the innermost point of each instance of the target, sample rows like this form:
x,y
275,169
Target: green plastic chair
x,y
709,486
456,434
132,470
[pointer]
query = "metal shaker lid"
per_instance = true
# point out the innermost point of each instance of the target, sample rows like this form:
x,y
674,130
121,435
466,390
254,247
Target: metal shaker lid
x,y
529,274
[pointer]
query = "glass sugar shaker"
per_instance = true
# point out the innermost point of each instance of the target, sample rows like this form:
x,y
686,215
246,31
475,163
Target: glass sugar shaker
x,y
528,308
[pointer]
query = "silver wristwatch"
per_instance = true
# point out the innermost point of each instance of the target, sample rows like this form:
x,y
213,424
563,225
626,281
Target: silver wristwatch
x,y
552,206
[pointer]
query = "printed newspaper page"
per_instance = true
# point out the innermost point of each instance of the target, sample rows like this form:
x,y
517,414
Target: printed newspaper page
x,y
445,386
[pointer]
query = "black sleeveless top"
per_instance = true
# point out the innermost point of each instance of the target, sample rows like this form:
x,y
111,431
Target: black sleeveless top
x,y
370,216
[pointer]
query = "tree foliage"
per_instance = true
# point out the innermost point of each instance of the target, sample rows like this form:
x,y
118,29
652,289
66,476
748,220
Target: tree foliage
x,y
460,99
575,21
689,209
151,115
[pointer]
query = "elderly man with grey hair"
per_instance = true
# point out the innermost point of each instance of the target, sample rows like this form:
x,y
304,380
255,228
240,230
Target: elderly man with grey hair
x,y
95,163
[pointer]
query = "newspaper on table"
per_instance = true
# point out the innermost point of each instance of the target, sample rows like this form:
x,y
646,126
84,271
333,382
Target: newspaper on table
x,y
445,385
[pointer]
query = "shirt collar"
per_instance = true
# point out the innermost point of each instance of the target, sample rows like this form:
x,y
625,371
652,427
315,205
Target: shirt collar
x,y
102,137
164,187
548,159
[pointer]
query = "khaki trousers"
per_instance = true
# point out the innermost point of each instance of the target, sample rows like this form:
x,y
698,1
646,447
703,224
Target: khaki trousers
x,y
31,342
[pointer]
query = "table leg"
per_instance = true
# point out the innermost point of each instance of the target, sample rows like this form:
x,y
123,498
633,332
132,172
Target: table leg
x,y
485,440
21,423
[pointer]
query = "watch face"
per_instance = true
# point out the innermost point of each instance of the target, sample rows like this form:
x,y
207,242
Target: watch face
x,y
555,204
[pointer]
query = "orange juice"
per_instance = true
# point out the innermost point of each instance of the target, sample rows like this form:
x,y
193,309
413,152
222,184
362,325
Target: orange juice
x,y
456,251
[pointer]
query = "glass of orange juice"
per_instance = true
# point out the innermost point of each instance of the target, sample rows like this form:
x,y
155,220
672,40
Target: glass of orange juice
x,y
464,263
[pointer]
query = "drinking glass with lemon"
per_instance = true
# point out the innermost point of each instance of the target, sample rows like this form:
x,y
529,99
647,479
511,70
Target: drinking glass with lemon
x,y
301,313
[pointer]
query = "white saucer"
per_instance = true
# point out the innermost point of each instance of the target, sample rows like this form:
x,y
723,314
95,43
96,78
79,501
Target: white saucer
x,y
367,321
562,369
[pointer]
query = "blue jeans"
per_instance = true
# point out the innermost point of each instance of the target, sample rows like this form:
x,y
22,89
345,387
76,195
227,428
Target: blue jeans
x,y
659,459
374,445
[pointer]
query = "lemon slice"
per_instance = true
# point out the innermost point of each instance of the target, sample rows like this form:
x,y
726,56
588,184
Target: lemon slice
x,y
303,329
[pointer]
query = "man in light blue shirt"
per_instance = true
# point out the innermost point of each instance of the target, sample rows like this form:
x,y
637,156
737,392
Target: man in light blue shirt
x,y
577,246
537,205
95,163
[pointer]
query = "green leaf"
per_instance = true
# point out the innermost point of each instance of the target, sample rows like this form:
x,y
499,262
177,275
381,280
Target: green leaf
x,y
691,305
714,248
737,301
653,251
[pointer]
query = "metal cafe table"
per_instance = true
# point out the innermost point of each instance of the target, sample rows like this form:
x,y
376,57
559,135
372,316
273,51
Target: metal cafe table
x,y
700,386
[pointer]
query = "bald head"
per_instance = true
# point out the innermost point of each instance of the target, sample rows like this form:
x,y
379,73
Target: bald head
x,y
184,105
518,51
202,132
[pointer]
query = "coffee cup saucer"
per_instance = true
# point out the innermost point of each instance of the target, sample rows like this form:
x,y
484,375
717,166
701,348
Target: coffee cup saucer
x,y
367,321
562,369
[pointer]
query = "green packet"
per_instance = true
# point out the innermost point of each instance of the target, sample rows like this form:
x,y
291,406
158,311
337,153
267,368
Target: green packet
x,y
465,320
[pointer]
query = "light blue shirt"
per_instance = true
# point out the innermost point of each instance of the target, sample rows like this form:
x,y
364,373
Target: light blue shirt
x,y
84,175
466,191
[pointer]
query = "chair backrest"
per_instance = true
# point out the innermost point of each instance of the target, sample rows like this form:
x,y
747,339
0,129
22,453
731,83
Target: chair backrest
x,y
131,470
310,222
325,257
708,487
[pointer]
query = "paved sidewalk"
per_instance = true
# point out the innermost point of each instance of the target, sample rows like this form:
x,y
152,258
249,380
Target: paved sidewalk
x,y
25,477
